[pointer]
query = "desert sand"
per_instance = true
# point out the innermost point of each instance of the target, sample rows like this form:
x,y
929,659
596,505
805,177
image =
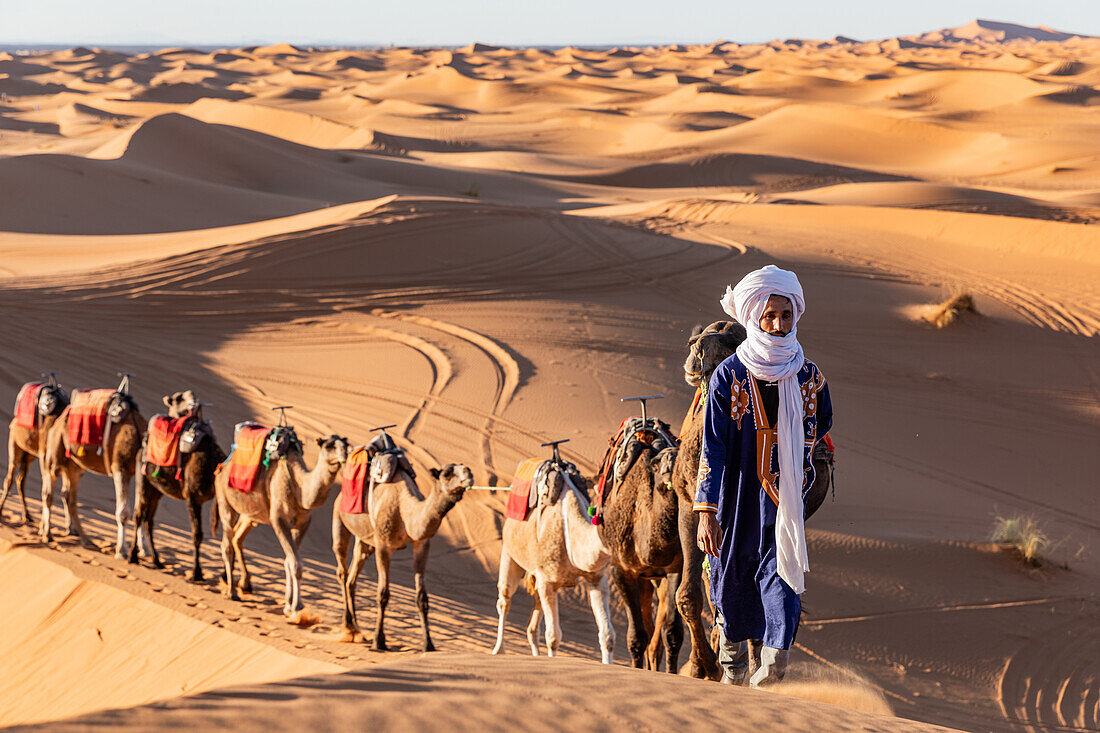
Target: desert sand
x,y
489,247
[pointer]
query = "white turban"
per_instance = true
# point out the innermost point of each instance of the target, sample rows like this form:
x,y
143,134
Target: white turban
x,y
778,359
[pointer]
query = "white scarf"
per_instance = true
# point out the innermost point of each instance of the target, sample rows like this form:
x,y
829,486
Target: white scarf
x,y
778,358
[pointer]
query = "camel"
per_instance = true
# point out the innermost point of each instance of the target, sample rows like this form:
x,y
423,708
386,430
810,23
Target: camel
x,y
199,456
707,348
640,529
117,458
396,514
558,546
284,496
25,444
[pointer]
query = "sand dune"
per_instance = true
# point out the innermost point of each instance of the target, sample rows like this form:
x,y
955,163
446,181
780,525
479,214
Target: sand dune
x,y
489,247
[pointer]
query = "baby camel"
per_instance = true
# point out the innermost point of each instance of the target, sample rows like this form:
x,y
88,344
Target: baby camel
x,y
395,514
284,495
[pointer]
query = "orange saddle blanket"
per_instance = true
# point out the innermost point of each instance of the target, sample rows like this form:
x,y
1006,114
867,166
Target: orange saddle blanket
x,y
353,483
162,446
248,452
26,405
520,496
88,416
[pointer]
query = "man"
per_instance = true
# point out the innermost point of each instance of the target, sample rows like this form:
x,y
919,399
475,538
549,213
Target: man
x,y
767,406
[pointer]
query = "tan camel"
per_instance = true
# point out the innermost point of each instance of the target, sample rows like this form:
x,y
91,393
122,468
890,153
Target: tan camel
x,y
284,496
397,514
640,530
559,546
25,444
117,458
200,455
707,348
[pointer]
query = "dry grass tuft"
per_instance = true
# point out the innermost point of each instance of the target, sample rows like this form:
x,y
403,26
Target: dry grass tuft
x,y
949,311
1024,536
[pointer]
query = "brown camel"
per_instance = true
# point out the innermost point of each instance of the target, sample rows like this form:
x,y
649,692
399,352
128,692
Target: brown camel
x,y
707,348
116,457
200,454
558,545
395,514
284,495
639,527
27,443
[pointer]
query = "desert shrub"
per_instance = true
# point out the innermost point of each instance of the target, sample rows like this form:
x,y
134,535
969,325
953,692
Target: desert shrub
x,y
1024,535
949,311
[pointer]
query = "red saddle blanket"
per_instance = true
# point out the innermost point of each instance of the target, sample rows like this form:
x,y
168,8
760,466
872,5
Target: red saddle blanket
x,y
353,483
244,461
88,416
162,446
520,496
26,405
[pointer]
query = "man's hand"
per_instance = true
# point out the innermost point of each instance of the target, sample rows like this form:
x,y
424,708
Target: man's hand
x,y
709,535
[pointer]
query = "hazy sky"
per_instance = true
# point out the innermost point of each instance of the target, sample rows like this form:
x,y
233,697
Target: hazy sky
x,y
504,22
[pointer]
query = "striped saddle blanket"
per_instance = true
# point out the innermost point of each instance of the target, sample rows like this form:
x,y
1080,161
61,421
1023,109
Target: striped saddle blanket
x,y
247,455
519,498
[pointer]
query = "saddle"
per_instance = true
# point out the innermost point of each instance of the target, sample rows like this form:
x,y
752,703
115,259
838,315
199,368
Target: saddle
x,y
634,435
531,486
162,443
89,410
386,458
26,405
353,481
255,446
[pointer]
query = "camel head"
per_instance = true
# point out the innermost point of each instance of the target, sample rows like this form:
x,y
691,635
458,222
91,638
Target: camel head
x,y
662,466
454,479
708,347
180,403
334,450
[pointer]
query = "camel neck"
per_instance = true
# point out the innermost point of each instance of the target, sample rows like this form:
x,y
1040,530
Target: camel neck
x,y
586,550
425,523
314,484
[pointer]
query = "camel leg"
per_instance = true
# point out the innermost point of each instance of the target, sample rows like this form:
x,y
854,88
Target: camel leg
x,y
507,581
238,531
25,468
673,624
145,521
420,564
49,484
382,561
630,589
341,540
533,627
70,483
18,462
599,597
194,513
228,520
348,578
144,509
702,663
292,598
123,511
548,595
654,652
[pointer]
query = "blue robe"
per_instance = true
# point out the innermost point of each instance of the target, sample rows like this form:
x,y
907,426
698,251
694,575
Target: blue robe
x,y
738,478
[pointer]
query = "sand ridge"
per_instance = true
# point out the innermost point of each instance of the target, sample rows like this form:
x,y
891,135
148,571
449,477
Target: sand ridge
x,y
490,246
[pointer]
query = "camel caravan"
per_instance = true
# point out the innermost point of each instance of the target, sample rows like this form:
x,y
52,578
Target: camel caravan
x,y
631,526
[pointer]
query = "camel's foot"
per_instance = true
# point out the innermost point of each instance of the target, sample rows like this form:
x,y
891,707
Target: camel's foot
x,y
231,593
133,558
245,585
380,643
196,574
351,636
698,669
157,563
303,618
119,555
429,646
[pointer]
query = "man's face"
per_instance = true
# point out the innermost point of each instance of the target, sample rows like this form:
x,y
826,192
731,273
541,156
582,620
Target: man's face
x,y
778,317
